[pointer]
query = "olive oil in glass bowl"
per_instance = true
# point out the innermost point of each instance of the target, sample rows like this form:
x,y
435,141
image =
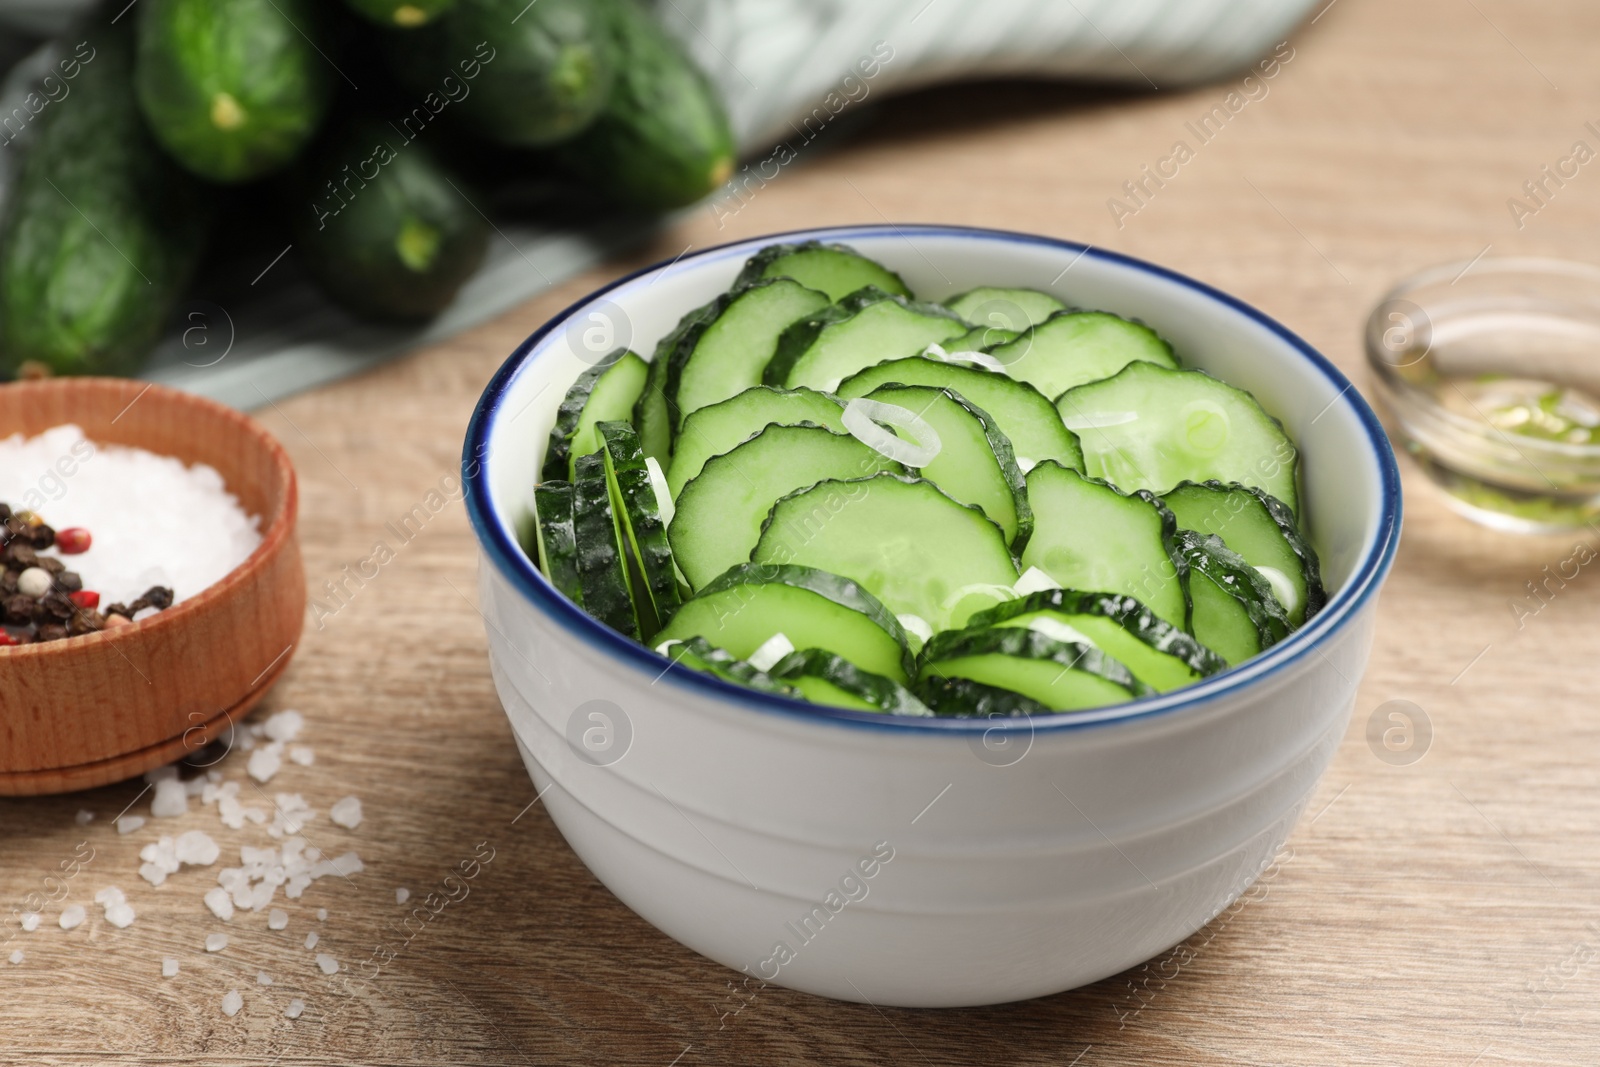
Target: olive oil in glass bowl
x,y
1489,372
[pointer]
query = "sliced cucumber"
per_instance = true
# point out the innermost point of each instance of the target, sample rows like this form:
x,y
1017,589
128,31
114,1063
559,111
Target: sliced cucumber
x,y
963,698
1012,310
718,428
1235,613
744,607
1159,654
1061,675
652,416
914,547
698,654
1260,528
1023,414
974,463
727,345
556,538
602,550
608,390
826,678
720,512
1073,347
861,329
633,501
836,270
1151,427
980,338
1090,536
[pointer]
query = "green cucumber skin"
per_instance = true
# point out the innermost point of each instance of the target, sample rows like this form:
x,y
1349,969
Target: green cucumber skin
x,y
761,266
558,457
1027,644
698,654
544,71
1283,518
406,14
602,565
262,53
1063,371
999,443
1209,556
695,425
884,694
1036,304
1126,611
663,139
556,537
795,341
962,698
652,415
674,350
101,231
397,246
640,516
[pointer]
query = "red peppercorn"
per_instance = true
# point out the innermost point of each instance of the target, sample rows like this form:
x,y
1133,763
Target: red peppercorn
x,y
85,598
73,540
7,639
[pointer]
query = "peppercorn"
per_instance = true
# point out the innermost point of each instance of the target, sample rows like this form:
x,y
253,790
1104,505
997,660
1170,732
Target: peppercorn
x,y
34,582
85,598
41,536
69,581
50,631
51,564
20,553
73,540
86,622
53,605
17,610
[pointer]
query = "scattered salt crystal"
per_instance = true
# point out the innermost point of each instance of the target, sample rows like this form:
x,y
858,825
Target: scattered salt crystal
x,y
302,754
290,814
195,787
16,956
256,729
284,725
346,812
296,1006
216,942
255,815
263,978
232,1001
119,912
261,895
127,824
311,939
313,853
220,903
197,535
277,919
160,859
246,743
72,916
30,921
85,818
196,848
297,885
328,964
345,865
162,774
402,895
171,798
169,967
265,761
322,915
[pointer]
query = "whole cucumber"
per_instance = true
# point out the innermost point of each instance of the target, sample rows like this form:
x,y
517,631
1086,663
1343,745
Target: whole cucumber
x,y
101,231
542,71
663,140
233,89
383,227
403,13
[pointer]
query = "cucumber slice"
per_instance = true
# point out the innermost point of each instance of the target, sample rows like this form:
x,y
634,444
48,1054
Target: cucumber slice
x,y
861,329
633,501
608,390
1159,655
1061,675
722,349
1074,347
652,416
698,654
1151,427
556,538
826,678
910,544
720,513
836,270
1023,414
1089,535
745,606
1235,613
980,338
719,428
965,699
1012,310
602,554
1260,528
974,463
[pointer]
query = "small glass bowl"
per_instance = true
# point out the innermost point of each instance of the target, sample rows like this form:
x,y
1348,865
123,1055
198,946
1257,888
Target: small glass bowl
x,y
1490,372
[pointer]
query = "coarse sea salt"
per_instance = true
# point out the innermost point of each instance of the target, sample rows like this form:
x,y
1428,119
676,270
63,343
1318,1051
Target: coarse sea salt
x,y
119,912
16,955
327,963
127,824
277,919
191,541
171,799
216,942
402,895
72,916
346,812
296,1006
169,967
263,978
232,1001
30,921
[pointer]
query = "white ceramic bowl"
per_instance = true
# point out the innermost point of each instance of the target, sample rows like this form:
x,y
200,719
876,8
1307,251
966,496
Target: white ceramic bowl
x,y
913,861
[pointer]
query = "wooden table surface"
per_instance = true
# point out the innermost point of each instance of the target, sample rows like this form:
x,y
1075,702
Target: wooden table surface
x,y
1442,912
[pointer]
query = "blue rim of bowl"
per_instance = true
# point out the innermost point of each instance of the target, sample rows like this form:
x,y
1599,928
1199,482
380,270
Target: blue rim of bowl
x,y
514,564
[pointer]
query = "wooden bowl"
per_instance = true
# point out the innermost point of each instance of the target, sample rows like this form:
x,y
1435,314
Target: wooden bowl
x,y
90,710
